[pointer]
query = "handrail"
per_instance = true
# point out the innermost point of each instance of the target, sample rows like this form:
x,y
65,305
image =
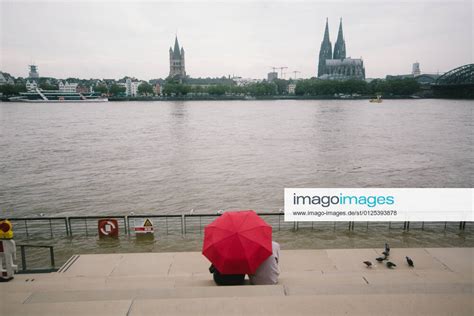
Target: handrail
x,y
24,267
83,225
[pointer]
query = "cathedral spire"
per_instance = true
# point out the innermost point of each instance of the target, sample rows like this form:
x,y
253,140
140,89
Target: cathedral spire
x,y
176,51
325,52
326,32
340,46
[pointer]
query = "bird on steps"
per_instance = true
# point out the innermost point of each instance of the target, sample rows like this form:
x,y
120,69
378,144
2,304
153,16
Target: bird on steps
x,y
368,264
410,262
391,265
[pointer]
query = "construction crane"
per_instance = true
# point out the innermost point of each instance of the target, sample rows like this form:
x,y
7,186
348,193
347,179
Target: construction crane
x,y
281,70
295,72
274,68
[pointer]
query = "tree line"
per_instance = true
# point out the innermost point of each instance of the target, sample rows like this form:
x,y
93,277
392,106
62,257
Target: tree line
x,y
396,87
255,89
304,87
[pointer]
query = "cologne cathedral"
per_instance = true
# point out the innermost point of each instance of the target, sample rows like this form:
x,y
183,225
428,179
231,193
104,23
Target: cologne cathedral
x,y
335,65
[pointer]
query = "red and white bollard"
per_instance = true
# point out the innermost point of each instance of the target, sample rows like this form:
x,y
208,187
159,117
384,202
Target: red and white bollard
x,y
7,252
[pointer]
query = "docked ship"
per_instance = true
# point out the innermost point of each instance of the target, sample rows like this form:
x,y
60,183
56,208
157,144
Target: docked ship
x,y
56,96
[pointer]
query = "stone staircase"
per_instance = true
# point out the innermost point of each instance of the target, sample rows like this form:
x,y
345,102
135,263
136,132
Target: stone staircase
x,y
312,282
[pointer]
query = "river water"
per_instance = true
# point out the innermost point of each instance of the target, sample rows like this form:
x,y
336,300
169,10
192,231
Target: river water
x,y
170,157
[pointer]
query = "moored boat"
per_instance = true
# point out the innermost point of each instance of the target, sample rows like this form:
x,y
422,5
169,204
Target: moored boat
x,y
56,96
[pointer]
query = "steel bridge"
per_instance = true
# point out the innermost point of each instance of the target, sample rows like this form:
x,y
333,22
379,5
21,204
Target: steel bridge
x,y
463,75
456,83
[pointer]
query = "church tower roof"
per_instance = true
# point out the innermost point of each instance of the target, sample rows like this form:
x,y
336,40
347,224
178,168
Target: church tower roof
x,y
340,46
176,50
326,50
326,33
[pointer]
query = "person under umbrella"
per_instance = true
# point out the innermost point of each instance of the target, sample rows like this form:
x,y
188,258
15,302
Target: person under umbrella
x,y
237,243
226,279
268,271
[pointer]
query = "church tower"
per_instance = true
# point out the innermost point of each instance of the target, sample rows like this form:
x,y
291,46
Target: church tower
x,y
340,46
325,52
177,66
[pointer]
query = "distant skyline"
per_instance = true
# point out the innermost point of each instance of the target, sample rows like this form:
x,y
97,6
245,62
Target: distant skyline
x,y
111,39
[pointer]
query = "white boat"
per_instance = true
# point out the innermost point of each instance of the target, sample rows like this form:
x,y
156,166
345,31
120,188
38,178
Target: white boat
x,y
61,101
56,96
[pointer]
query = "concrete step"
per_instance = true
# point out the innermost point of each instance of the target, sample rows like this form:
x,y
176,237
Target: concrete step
x,y
325,261
421,304
312,281
123,290
137,264
373,276
102,308
153,293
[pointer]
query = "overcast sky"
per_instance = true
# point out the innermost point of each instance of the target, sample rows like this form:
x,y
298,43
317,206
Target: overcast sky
x,y
113,39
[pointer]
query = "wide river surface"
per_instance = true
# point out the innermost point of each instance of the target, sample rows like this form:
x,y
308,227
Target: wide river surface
x,y
171,157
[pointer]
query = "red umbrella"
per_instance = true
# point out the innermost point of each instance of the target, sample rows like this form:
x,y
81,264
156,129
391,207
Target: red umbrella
x,y
237,242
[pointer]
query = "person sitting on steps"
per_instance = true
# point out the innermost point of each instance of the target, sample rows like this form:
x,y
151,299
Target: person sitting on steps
x,y
268,271
226,279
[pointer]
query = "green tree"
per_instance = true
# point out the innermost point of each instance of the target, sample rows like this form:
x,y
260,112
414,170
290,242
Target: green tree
x,y
115,89
379,86
145,88
281,86
404,86
234,89
353,86
172,88
183,89
218,89
261,88
197,89
318,87
19,88
169,89
47,86
101,88
8,89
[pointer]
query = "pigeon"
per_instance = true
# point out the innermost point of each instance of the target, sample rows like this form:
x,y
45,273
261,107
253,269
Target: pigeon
x,y
386,253
380,259
387,248
391,265
220,212
410,262
368,264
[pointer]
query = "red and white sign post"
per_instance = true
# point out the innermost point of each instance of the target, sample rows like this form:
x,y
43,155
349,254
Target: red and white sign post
x,y
145,228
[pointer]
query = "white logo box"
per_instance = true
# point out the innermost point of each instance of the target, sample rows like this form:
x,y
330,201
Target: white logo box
x,y
409,204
